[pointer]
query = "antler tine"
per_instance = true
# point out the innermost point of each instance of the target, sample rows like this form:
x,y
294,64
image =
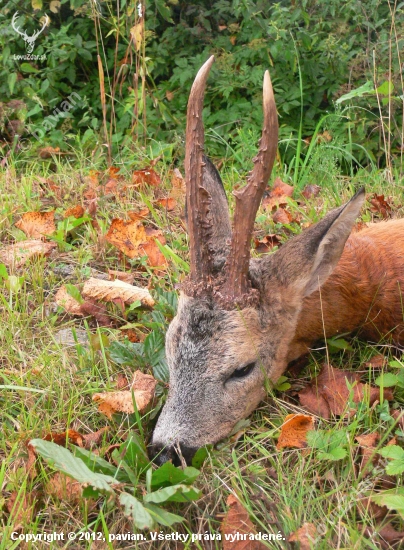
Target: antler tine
x,y
14,25
198,200
45,23
248,200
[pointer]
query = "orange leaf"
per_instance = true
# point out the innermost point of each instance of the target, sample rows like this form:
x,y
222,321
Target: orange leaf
x,y
121,276
306,536
37,224
62,438
67,302
294,431
168,204
147,175
16,255
237,522
75,211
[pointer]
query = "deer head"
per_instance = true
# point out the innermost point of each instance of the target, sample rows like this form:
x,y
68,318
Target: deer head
x,y
236,316
29,40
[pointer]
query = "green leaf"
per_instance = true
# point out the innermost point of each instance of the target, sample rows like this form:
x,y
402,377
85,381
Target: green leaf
x,y
338,453
386,88
386,380
200,456
135,510
162,516
11,80
3,272
27,68
64,461
175,493
98,465
392,451
393,499
168,475
395,467
134,452
339,343
125,353
366,88
36,4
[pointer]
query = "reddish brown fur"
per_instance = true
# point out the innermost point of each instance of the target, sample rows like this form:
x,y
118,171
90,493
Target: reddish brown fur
x,y
363,294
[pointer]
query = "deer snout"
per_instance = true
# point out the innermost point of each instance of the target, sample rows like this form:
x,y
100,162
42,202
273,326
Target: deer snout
x,y
161,453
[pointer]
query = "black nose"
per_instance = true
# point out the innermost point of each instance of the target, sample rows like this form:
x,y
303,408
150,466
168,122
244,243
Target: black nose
x,y
161,453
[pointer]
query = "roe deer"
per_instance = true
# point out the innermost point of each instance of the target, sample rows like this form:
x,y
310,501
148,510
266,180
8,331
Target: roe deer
x,y
241,320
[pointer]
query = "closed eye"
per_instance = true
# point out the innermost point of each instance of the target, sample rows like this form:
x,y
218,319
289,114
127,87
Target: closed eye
x,y
243,371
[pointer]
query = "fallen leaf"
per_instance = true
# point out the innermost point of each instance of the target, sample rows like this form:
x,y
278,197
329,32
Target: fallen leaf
x,y
267,243
141,215
237,521
122,383
75,211
368,508
380,205
376,362
143,382
21,511
67,302
169,95
177,186
121,276
311,191
93,439
37,224
17,254
148,176
282,216
278,195
112,290
30,464
110,403
168,204
328,393
62,438
65,488
306,536
48,152
367,444
134,240
294,431
93,308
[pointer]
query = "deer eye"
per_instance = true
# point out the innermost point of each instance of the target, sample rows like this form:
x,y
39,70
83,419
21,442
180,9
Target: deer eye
x,y
243,371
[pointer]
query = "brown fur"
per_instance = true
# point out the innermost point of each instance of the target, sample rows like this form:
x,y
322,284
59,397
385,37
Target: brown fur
x,y
363,294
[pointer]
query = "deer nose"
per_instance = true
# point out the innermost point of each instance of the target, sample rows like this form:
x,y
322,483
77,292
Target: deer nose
x,y
161,454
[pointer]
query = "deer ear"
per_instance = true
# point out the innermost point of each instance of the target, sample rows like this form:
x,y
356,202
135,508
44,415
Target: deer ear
x,y
309,259
219,212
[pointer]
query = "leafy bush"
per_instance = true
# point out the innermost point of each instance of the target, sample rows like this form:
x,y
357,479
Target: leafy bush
x,y
316,51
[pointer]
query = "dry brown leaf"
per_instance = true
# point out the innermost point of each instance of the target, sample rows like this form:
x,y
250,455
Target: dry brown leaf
x,y
17,254
267,243
37,224
143,382
67,302
121,276
376,362
48,152
328,393
75,211
22,510
62,438
169,95
177,186
367,507
93,308
137,216
278,195
311,191
134,240
306,536
122,383
65,488
30,464
237,521
113,290
168,204
367,444
148,176
110,403
380,205
294,431
282,216
93,439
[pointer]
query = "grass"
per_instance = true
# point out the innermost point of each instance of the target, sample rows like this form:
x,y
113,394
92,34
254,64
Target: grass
x,y
47,386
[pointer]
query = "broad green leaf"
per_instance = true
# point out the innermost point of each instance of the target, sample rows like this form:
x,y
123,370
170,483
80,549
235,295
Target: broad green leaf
x,y
134,452
200,456
124,353
386,380
162,516
392,451
175,493
386,88
11,80
338,454
36,4
366,88
100,466
393,499
64,461
27,68
3,272
339,343
135,510
395,467
168,475
396,364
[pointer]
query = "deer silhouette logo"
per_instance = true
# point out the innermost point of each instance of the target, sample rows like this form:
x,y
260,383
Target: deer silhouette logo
x,y
29,40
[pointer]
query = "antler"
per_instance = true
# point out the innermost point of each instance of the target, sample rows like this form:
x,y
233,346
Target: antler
x,y
198,199
45,24
17,29
237,288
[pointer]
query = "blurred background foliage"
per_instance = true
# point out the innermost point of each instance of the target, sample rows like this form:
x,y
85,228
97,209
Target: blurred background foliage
x,y
132,65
